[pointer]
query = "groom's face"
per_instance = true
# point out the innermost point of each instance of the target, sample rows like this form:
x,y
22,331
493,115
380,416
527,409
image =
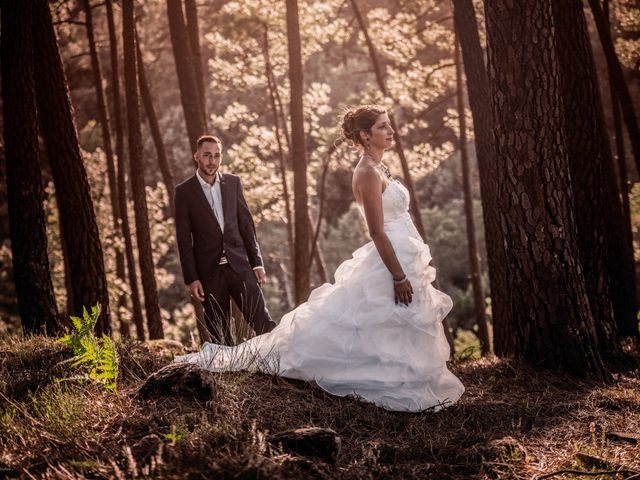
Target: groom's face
x,y
208,158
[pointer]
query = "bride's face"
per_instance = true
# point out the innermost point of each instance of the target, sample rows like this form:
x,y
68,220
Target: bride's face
x,y
382,133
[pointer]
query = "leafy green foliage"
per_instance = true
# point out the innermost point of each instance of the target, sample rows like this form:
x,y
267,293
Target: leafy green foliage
x,y
98,356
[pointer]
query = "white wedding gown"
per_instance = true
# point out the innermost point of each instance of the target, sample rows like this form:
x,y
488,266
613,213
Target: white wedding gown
x,y
352,339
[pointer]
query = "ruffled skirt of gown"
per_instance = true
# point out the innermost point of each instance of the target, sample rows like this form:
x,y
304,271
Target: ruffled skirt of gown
x,y
352,339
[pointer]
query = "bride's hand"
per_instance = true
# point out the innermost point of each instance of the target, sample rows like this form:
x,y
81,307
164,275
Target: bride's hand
x,y
403,292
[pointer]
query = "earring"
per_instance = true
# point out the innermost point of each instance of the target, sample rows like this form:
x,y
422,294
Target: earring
x,y
366,143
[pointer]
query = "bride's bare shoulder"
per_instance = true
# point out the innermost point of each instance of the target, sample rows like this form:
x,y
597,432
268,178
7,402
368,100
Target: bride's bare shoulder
x,y
365,176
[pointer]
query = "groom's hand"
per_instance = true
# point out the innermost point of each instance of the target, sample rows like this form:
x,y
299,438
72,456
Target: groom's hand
x,y
196,290
261,275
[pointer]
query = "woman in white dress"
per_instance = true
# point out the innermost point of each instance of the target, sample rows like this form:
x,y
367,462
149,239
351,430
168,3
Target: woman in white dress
x,y
376,333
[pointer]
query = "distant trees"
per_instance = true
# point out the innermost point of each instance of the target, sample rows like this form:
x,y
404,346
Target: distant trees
x,y
299,156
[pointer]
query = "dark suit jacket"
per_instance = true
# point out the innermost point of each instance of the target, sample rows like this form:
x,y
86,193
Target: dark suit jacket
x,y
200,239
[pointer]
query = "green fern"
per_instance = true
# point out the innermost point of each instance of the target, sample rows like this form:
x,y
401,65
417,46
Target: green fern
x,y
98,356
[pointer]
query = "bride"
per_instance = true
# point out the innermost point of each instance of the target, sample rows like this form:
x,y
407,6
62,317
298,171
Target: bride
x,y
376,333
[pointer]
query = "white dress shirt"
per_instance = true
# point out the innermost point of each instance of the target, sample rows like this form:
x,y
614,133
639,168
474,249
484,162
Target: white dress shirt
x,y
214,197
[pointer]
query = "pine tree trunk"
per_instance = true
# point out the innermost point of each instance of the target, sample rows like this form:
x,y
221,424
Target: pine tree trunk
x,y
191,104
597,206
80,229
299,156
107,145
191,13
413,205
151,302
34,291
136,307
480,105
154,126
553,324
474,258
616,77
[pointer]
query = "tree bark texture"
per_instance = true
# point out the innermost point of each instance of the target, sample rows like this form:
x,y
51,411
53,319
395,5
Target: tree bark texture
x,y
597,206
107,143
480,104
136,306
82,239
552,320
25,195
472,246
616,77
151,301
154,126
299,156
186,74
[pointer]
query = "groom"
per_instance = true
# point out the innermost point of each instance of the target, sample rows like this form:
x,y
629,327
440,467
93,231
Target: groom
x,y
219,252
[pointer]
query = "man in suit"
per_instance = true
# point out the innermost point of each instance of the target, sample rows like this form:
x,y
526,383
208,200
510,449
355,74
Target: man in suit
x,y
217,242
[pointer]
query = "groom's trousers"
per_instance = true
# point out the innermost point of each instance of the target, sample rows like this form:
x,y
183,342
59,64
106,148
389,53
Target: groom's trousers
x,y
219,288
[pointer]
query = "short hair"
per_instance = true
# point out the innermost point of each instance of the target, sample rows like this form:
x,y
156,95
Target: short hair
x,y
208,138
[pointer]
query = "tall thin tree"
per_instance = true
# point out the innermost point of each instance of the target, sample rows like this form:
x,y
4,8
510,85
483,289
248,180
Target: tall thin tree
x,y
550,311
191,103
136,305
472,246
193,29
154,126
151,301
598,210
466,26
616,77
298,155
34,291
103,117
81,235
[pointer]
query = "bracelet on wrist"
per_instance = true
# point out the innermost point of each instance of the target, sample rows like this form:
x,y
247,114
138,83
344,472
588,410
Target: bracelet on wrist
x,y
400,280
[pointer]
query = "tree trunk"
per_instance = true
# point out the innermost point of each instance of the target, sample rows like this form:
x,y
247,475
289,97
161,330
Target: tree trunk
x,y
298,155
480,104
151,302
616,77
413,206
34,291
154,126
191,104
596,198
553,324
630,326
474,258
136,307
191,11
281,155
108,149
318,258
80,229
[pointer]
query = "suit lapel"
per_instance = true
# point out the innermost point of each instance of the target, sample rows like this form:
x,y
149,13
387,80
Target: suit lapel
x,y
224,193
203,199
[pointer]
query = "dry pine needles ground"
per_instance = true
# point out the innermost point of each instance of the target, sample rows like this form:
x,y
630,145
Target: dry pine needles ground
x,y
512,422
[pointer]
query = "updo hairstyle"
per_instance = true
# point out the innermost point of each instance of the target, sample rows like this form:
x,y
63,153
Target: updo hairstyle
x,y
359,120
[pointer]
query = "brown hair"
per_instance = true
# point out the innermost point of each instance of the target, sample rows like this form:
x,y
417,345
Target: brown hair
x,y
360,119
208,138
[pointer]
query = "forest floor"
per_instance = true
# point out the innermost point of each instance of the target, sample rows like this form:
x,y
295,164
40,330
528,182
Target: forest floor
x,y
512,422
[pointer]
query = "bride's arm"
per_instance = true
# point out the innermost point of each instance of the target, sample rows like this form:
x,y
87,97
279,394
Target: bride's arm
x,y
369,186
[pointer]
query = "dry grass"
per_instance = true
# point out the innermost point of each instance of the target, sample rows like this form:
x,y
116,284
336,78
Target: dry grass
x,y
512,422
